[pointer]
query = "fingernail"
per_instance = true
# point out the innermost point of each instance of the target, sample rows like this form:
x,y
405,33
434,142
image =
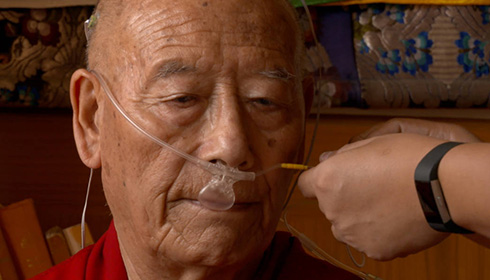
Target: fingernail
x,y
326,155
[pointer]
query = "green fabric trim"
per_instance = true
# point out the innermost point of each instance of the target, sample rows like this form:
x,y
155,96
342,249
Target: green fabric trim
x,y
297,3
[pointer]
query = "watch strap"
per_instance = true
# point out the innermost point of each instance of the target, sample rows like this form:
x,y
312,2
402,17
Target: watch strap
x,y
430,192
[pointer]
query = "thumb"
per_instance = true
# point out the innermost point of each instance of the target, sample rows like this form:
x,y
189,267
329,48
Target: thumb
x,y
306,183
306,180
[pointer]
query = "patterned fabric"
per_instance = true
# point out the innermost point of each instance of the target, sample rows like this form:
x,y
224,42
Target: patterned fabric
x,y
382,55
299,3
37,4
413,2
40,49
423,56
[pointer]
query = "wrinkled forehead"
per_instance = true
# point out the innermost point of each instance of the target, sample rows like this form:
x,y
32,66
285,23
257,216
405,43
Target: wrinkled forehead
x,y
219,11
153,24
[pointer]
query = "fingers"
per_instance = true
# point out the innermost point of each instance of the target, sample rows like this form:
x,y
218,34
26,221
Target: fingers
x,y
355,145
399,125
310,180
444,131
306,183
389,127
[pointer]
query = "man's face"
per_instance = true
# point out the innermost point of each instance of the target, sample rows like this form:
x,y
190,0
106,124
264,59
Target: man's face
x,y
211,78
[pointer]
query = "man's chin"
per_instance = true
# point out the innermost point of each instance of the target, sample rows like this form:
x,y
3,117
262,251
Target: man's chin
x,y
206,237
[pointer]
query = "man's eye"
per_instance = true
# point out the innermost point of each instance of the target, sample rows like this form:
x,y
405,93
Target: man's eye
x,y
264,102
184,101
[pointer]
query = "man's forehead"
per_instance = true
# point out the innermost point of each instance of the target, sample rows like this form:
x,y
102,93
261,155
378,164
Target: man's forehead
x,y
139,14
136,5
156,23
147,30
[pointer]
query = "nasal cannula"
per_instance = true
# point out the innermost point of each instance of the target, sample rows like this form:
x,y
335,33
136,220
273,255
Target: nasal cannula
x,y
218,194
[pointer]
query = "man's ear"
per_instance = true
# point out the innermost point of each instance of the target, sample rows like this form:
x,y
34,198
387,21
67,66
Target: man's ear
x,y
308,92
84,88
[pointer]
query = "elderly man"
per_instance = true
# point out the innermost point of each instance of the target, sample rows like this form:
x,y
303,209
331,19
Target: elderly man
x,y
219,80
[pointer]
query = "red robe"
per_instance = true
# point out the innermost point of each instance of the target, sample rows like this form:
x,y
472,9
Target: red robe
x,y
284,259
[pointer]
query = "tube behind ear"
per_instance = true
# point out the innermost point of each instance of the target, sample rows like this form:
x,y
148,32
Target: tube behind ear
x,y
84,89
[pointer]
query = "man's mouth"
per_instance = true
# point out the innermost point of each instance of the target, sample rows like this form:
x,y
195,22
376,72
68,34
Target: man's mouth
x,y
236,206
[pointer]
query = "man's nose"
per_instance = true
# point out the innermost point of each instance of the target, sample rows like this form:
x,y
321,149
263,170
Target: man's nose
x,y
227,137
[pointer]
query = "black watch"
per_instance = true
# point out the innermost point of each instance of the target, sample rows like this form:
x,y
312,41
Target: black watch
x,y
430,192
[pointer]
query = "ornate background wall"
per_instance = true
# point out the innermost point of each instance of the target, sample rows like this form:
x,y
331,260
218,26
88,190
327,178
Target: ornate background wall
x,y
39,50
382,55
406,56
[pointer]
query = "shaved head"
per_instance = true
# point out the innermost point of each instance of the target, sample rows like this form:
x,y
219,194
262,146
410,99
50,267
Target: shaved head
x,y
110,33
108,17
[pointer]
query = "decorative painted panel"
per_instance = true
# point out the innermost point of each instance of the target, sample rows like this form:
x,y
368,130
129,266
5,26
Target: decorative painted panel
x,y
39,50
423,56
381,55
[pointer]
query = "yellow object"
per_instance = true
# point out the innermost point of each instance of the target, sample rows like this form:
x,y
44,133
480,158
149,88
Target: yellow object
x,y
423,2
294,166
73,237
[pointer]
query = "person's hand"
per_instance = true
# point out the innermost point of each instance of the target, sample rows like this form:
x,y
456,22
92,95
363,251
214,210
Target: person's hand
x,y
445,131
366,190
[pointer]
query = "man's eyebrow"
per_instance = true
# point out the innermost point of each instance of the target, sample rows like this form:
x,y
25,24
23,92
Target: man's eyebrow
x,y
278,73
170,68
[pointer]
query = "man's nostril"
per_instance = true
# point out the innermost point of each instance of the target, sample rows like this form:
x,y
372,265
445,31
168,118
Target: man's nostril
x,y
216,161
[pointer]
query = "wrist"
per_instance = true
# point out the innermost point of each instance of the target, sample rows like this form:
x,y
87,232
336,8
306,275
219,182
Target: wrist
x,y
465,172
430,190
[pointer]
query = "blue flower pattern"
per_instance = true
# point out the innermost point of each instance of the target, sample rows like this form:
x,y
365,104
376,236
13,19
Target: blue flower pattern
x,y
472,56
363,47
485,14
24,94
389,62
396,13
400,48
417,54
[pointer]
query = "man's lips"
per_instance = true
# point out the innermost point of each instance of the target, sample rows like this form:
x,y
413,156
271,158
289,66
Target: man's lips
x,y
196,201
244,194
236,205
194,204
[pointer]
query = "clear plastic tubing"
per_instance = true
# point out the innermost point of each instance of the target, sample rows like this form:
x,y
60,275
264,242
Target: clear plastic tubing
x,y
218,194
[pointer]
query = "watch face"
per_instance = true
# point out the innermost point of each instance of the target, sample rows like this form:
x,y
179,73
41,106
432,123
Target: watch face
x,y
440,201
427,200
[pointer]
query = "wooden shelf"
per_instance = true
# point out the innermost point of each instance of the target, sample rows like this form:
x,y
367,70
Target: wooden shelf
x,y
45,3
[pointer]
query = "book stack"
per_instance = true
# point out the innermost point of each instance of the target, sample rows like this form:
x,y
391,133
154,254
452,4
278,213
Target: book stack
x,y
24,250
